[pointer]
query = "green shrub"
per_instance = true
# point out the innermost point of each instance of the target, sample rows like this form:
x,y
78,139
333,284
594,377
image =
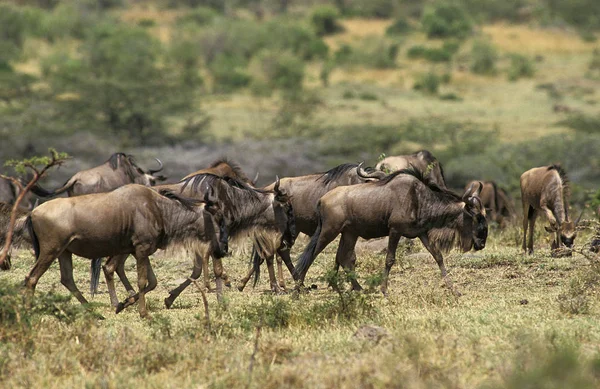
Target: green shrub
x,y
594,65
579,13
368,96
520,66
399,27
289,35
217,5
200,16
451,97
71,19
446,21
428,82
324,20
582,123
280,70
430,54
372,52
368,8
349,94
495,10
147,23
12,29
483,58
228,75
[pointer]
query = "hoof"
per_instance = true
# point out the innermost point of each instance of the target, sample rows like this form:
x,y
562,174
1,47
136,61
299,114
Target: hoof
x,y
168,303
241,287
120,307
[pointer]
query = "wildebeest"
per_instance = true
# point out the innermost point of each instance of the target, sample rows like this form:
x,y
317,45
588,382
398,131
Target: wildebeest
x,y
305,192
266,215
9,192
20,235
546,189
402,204
132,219
422,161
497,202
120,169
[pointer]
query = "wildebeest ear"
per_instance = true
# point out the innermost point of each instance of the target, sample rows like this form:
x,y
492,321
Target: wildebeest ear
x,y
210,198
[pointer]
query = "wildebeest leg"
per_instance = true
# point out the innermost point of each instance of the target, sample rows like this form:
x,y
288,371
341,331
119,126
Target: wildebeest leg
x,y
196,273
272,278
525,222
279,271
65,261
204,258
346,258
39,268
326,236
284,254
390,259
218,270
245,280
148,284
116,262
440,261
532,218
143,265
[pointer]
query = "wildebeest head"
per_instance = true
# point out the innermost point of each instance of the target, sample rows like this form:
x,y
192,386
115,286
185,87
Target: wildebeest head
x,y
567,232
149,177
475,211
284,215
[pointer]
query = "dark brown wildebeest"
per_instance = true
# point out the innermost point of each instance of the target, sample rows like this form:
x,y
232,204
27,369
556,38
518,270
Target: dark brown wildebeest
x,y
305,192
133,220
263,214
120,169
401,204
499,206
546,189
422,161
20,235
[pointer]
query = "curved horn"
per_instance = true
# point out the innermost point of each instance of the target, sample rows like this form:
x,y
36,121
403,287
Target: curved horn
x,y
478,191
579,218
362,173
160,167
277,183
255,178
468,192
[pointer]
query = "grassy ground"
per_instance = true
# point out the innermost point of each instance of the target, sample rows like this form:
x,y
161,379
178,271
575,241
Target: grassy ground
x,y
521,321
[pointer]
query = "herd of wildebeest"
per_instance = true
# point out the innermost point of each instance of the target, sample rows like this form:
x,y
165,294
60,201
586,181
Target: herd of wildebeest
x,y
118,209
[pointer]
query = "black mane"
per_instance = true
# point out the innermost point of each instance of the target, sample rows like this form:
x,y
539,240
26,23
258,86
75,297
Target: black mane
x,y
336,172
234,166
127,163
186,202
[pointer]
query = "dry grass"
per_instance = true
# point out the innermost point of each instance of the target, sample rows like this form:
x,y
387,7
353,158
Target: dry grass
x,y
509,315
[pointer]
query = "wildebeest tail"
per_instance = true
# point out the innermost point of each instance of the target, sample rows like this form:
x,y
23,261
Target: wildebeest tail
x,y
308,256
34,239
256,261
39,191
95,275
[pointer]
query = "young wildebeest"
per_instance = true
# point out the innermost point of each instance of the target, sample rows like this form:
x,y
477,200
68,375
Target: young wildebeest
x,y
423,161
120,169
305,192
266,215
401,204
546,189
497,202
132,219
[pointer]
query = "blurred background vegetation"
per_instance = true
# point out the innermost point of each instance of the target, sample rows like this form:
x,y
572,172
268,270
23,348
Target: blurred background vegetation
x,y
491,87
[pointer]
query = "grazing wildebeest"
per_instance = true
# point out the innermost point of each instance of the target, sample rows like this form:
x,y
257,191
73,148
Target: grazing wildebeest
x,y
120,169
499,205
422,161
20,235
133,220
9,192
266,215
546,189
304,192
402,204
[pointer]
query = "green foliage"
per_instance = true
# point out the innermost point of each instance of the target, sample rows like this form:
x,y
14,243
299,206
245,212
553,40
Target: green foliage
x,y
71,19
368,96
446,20
12,29
495,10
442,54
579,13
368,8
324,20
594,65
520,66
450,97
20,166
400,26
228,74
428,82
217,5
289,35
372,52
351,304
280,70
483,57
582,123
269,312
200,16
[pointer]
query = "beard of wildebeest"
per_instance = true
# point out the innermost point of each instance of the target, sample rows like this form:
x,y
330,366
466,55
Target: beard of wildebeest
x,y
400,205
546,190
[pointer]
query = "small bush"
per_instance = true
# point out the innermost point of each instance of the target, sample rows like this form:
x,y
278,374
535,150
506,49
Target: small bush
x,y
147,23
399,27
12,33
373,52
324,20
348,94
483,57
368,8
582,123
228,75
200,16
520,66
451,97
446,21
280,70
368,96
428,82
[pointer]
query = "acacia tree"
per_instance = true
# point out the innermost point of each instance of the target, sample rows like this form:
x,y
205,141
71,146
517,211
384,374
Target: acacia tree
x,y
38,166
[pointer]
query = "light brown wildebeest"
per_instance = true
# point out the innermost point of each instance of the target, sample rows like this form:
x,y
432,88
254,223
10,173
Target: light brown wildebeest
x,y
422,161
546,189
401,204
499,206
266,215
133,220
305,192
120,169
